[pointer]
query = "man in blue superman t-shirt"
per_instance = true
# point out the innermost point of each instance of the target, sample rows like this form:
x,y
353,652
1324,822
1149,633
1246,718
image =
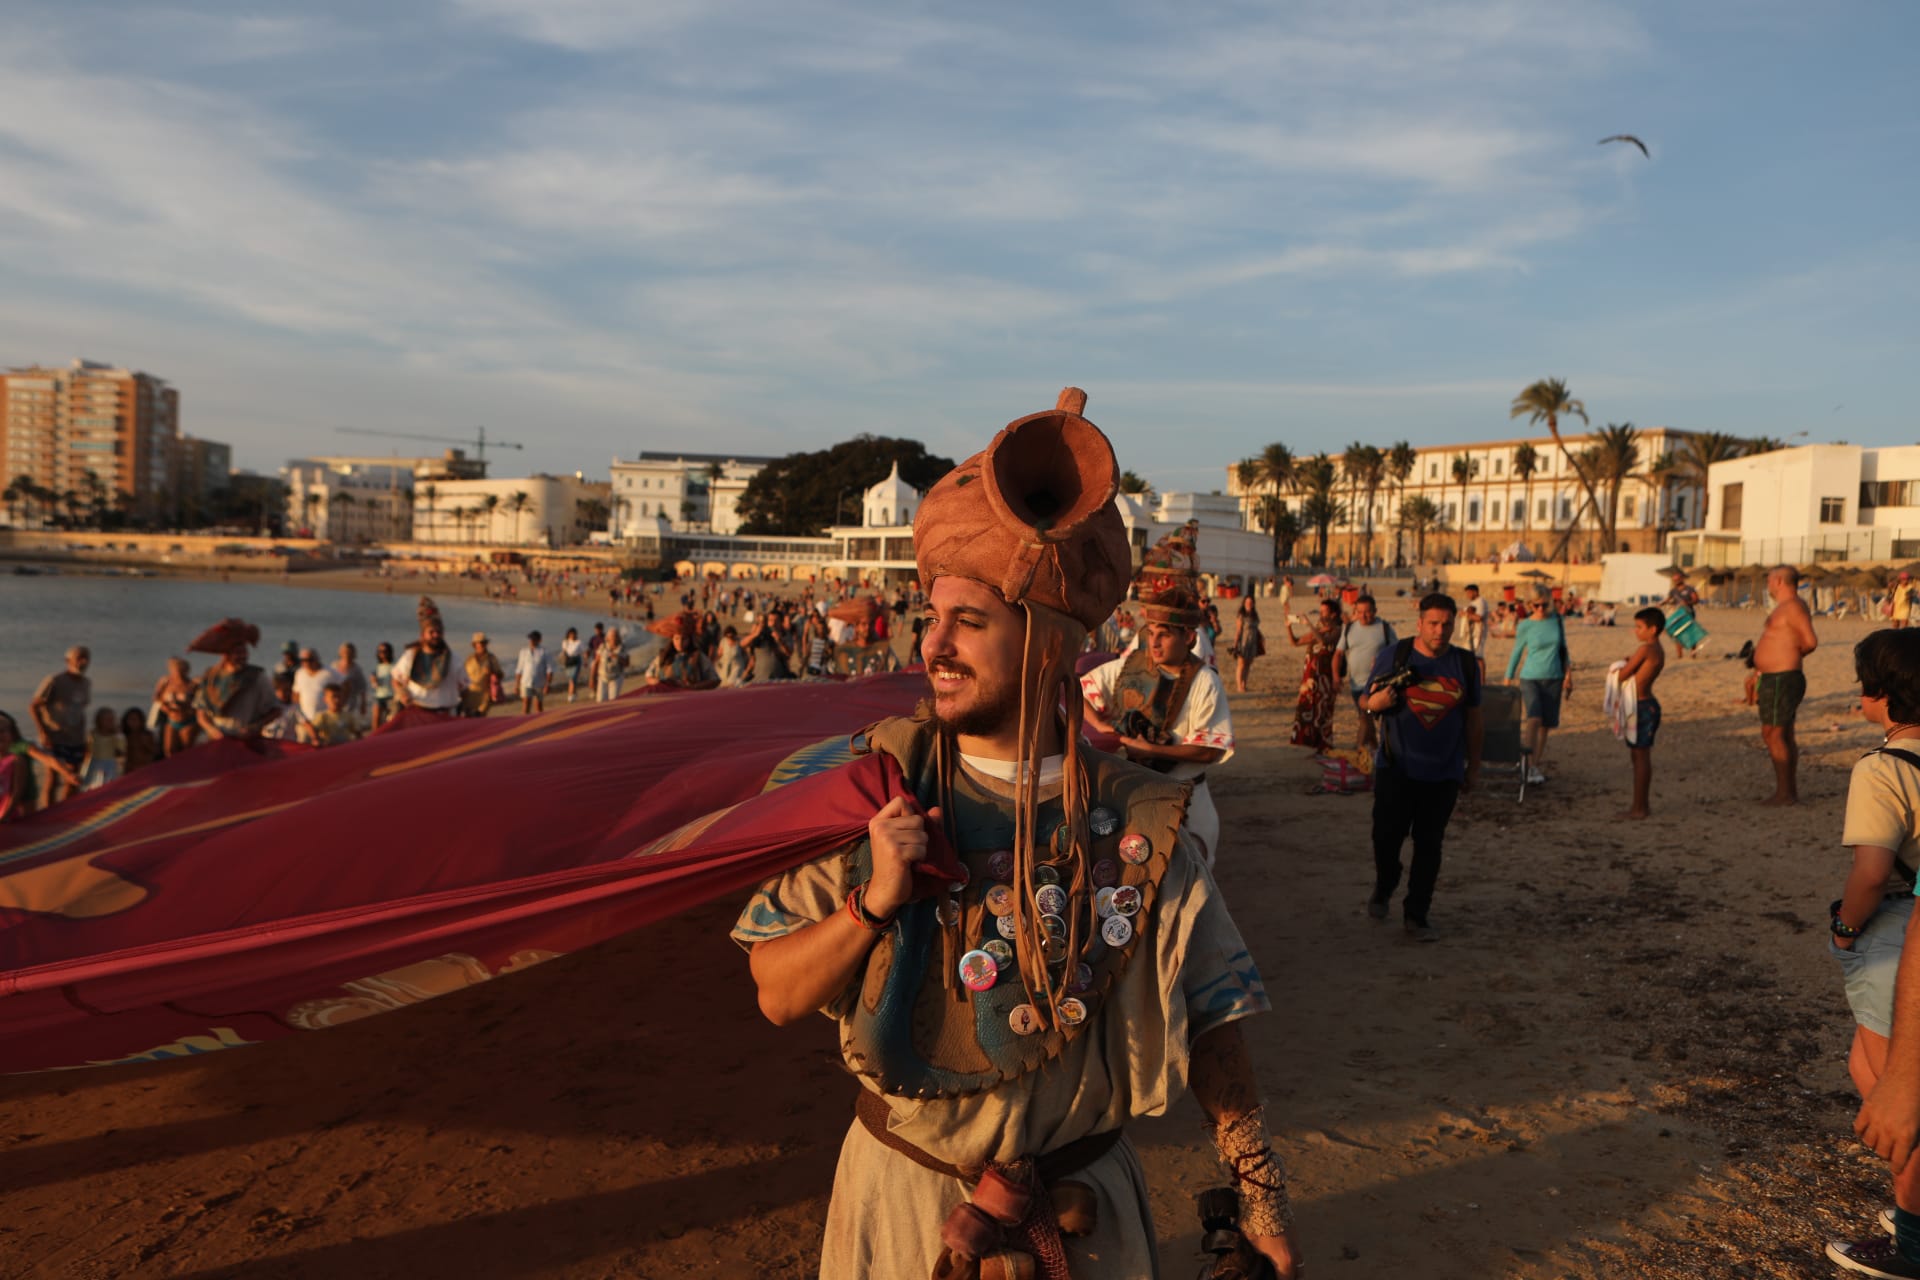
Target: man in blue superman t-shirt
x,y
1429,753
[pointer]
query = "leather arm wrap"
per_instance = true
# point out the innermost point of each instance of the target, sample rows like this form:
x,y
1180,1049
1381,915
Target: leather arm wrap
x,y
1258,1174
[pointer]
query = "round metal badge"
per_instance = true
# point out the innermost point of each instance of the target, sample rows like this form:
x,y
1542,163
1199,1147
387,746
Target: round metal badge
x,y
1025,1019
1082,980
999,900
1053,926
1000,864
978,971
966,876
1103,902
1072,1012
1106,872
1046,873
1135,848
1009,927
1055,950
1103,821
1117,931
1051,899
1000,949
1126,901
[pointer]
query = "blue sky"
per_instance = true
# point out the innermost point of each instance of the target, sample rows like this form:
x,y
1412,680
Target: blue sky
x,y
598,226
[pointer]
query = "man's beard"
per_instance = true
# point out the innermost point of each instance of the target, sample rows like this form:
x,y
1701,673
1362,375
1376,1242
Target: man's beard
x,y
992,708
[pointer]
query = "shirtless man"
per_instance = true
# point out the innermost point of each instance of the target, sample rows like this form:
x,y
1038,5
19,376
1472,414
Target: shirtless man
x,y
1643,668
1783,646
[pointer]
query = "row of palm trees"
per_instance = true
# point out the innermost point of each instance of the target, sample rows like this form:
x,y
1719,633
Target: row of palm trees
x,y
90,505
473,518
1602,469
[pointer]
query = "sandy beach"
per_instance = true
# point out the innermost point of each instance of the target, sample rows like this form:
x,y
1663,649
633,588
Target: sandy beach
x,y
1626,1057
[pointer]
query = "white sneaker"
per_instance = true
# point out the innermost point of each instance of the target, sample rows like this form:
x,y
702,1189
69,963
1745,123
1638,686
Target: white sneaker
x,y
1535,777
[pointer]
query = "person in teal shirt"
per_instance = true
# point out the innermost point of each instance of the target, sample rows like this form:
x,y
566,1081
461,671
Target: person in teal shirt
x,y
1545,669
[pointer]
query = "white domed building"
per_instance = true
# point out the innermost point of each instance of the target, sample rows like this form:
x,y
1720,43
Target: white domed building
x,y
879,550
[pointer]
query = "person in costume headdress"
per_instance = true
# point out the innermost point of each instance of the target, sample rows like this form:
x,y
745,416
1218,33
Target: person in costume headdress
x,y
235,698
427,675
1168,706
1028,951
681,662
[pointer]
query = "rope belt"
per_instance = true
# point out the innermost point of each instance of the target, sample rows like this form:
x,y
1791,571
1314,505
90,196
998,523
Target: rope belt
x,y
1011,1226
872,1112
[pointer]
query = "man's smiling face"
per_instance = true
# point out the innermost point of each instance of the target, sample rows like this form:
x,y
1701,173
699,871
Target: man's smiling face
x,y
972,645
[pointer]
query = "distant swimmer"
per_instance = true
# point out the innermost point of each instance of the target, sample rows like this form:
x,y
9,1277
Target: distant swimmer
x,y
1627,137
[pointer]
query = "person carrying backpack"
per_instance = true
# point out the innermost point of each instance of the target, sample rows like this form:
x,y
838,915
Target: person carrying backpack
x,y
1426,696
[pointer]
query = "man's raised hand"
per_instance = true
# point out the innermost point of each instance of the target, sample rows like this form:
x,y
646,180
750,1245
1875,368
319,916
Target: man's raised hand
x,y
899,838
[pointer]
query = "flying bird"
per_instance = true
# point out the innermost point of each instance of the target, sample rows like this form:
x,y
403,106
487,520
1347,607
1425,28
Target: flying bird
x,y
1627,137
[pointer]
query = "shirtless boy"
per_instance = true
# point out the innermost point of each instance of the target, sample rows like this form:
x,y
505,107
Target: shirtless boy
x,y
1643,668
1783,647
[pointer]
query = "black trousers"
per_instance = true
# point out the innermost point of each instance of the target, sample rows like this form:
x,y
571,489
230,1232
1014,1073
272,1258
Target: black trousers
x,y
1402,805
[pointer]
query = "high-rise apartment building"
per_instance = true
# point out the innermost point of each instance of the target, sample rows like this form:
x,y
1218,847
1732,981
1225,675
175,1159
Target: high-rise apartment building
x,y
57,425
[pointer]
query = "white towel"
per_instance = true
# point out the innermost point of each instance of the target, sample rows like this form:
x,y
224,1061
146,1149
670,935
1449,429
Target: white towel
x,y
1621,704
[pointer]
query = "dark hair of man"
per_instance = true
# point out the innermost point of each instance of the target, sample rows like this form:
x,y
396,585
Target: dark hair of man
x,y
1359,600
1887,664
1438,600
1653,618
1473,586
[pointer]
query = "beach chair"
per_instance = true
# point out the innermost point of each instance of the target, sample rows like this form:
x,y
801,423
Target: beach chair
x,y
1503,750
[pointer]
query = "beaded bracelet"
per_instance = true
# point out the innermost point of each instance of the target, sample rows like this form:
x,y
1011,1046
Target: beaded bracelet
x,y
1841,929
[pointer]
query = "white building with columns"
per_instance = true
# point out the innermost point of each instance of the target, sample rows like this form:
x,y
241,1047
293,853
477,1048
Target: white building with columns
x,y
691,491
1816,502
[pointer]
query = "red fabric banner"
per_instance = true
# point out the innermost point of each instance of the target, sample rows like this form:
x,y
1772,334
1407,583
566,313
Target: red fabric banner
x,y
236,893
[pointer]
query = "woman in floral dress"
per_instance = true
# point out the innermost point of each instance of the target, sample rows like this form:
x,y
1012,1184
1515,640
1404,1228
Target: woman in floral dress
x,y
1313,713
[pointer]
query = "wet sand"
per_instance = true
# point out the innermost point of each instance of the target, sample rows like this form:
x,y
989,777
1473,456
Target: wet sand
x,y
1626,1057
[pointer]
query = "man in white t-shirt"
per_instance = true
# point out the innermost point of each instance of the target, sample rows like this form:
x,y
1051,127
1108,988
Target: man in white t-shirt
x,y
1361,640
1162,699
310,681
427,674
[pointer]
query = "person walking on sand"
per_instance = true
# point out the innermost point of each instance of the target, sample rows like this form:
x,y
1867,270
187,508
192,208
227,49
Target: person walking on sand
x,y
571,652
533,672
1779,656
59,710
173,703
1643,668
1427,695
484,677
359,692
427,674
1683,596
1313,709
1247,644
1014,1026
1545,667
609,667
1869,924
1361,640
235,698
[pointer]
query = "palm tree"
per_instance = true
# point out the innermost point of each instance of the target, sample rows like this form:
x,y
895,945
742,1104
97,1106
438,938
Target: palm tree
x,y
1272,469
1402,458
1698,452
344,503
1418,515
1765,444
19,495
1464,470
1273,515
1612,461
489,505
1320,510
96,494
1546,400
308,501
1661,474
1526,461
431,492
1131,483
519,503
1365,466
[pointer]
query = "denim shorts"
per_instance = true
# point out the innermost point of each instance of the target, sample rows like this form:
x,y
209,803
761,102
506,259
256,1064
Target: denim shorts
x,y
1868,968
1541,698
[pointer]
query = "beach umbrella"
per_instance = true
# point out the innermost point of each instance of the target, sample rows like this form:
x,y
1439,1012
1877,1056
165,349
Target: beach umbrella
x,y
1532,573
1319,580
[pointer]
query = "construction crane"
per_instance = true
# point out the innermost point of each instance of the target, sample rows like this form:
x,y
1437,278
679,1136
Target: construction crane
x,y
479,442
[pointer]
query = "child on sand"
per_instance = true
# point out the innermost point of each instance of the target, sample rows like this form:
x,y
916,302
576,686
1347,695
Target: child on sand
x,y
105,748
1643,668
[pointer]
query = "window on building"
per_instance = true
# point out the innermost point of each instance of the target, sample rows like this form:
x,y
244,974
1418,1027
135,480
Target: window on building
x,y
1680,508
1889,493
1541,510
1629,507
1566,508
1730,498
1451,508
1473,511
1498,463
1433,471
1519,510
1833,510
